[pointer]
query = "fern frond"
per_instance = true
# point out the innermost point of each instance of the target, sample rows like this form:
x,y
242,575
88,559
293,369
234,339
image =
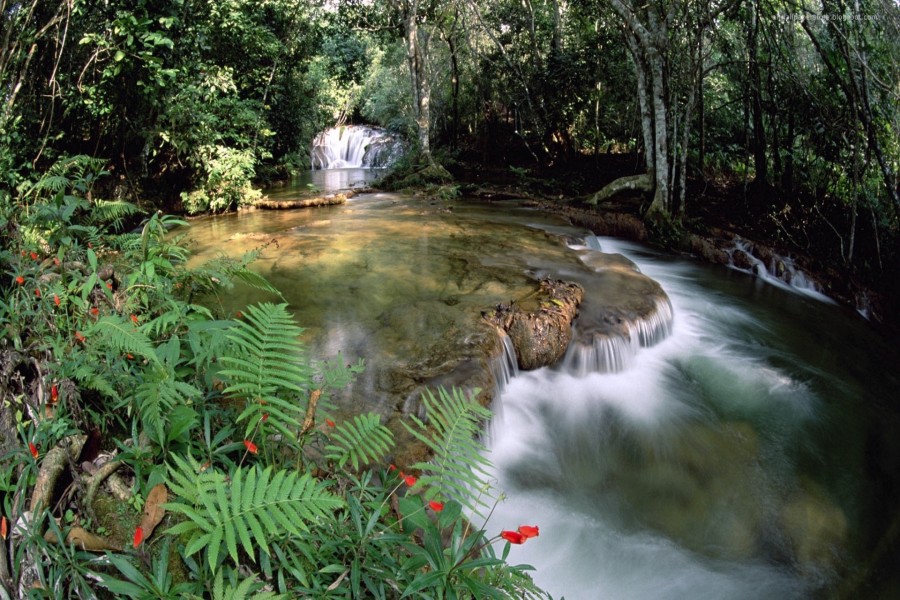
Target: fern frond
x,y
113,212
255,506
122,336
458,462
267,368
158,399
362,441
231,590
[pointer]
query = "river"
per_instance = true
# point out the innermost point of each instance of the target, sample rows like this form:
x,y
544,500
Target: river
x,y
752,453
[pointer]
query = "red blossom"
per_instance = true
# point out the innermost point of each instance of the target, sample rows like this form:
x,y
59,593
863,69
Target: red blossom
x,y
95,311
55,299
56,261
238,314
251,447
329,422
529,531
109,285
34,256
20,280
134,319
33,449
513,537
392,468
265,417
409,480
436,506
37,292
79,337
4,527
54,393
129,356
138,536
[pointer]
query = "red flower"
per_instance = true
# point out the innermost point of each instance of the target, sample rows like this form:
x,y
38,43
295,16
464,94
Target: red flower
x,y
54,393
4,527
34,256
329,422
33,449
129,356
513,537
109,285
409,480
134,319
20,280
251,447
55,299
56,261
529,531
436,506
392,468
238,314
79,337
265,417
138,536
95,311
37,292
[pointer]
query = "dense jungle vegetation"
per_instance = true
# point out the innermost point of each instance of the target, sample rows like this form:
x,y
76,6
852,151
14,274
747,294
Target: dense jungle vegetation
x,y
778,117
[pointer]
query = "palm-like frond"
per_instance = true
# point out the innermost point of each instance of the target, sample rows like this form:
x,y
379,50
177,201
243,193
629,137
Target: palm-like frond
x,y
267,369
256,505
361,441
454,422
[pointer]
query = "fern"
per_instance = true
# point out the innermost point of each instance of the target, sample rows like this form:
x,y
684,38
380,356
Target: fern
x,y
163,401
254,506
122,336
459,458
242,590
363,440
268,369
113,212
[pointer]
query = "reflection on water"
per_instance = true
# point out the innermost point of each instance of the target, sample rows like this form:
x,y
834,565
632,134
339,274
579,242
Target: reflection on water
x,y
751,454
326,181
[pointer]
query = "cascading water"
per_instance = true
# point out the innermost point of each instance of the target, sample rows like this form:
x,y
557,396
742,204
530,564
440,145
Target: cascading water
x,y
780,270
686,466
355,146
736,441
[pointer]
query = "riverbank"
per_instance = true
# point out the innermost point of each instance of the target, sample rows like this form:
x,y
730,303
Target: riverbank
x,y
720,225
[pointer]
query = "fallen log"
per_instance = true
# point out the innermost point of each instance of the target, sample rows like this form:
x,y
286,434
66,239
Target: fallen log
x,y
332,200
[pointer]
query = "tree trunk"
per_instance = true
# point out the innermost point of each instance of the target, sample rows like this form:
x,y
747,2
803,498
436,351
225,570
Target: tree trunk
x,y
640,73
416,55
760,164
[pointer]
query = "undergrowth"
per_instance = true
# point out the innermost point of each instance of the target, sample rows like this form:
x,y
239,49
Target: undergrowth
x,y
236,478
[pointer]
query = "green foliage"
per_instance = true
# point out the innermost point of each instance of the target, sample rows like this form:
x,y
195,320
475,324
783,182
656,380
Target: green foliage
x,y
360,441
255,506
266,369
227,185
458,463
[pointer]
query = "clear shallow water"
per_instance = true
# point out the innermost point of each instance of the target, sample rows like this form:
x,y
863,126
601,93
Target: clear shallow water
x,y
751,454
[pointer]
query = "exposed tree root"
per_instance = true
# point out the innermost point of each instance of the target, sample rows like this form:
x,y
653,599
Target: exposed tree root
x,y
633,183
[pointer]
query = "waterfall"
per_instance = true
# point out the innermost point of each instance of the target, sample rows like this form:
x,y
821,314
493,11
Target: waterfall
x,y
355,146
609,342
779,270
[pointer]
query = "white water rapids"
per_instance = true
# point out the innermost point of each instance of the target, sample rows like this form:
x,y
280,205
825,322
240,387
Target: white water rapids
x,y
674,476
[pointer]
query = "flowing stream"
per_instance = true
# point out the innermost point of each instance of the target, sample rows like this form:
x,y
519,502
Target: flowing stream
x,y
747,448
